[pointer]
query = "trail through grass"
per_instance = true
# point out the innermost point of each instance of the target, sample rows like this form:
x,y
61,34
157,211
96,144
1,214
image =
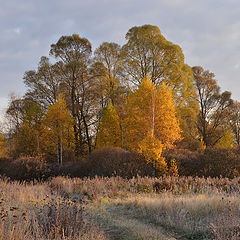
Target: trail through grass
x,y
120,223
167,216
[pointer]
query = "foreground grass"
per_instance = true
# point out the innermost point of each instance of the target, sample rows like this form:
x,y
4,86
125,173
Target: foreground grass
x,y
168,216
115,208
34,211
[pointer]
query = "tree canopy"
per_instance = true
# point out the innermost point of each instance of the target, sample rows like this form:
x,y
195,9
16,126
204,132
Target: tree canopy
x,y
140,96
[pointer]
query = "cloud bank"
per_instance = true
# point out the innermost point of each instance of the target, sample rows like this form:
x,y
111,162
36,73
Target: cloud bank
x,y
207,31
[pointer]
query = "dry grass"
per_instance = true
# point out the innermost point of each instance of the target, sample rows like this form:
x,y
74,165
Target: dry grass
x,y
191,215
33,211
116,208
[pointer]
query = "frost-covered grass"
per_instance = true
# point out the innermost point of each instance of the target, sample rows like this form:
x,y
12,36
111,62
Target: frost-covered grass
x,y
34,211
116,208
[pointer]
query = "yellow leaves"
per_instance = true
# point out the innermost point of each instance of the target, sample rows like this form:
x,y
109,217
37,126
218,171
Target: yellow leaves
x,y
166,122
58,116
173,169
57,125
138,120
149,124
109,131
227,140
151,109
3,146
202,145
150,147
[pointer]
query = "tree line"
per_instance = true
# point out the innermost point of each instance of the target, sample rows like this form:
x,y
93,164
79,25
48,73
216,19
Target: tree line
x,y
141,96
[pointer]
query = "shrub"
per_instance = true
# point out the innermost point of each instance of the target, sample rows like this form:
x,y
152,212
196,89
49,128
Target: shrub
x,y
4,166
110,161
213,162
72,169
221,162
29,168
188,162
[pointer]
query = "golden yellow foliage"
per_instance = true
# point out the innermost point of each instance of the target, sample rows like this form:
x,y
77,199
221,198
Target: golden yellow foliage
x,y
58,117
151,148
109,131
166,123
151,109
227,140
3,146
138,119
58,129
173,168
202,145
151,124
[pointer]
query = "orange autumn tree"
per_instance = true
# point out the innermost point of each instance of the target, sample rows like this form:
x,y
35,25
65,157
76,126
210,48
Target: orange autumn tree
x,y
58,132
152,148
109,133
151,125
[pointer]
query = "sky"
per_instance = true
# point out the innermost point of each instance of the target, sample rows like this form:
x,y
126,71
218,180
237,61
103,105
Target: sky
x,y
208,31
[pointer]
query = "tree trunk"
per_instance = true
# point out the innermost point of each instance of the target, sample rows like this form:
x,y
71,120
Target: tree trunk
x,y
87,134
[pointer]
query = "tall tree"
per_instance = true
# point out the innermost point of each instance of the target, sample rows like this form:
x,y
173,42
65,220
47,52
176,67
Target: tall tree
x,y
151,119
58,127
25,118
151,109
74,54
147,52
213,115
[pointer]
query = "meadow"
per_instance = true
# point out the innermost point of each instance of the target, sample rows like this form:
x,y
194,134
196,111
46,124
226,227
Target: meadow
x,y
116,208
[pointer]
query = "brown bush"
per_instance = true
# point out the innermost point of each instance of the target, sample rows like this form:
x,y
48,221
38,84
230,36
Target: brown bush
x,y
221,162
110,161
4,166
71,169
213,162
188,162
28,168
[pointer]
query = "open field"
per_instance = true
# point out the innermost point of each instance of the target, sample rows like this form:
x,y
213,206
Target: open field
x,y
116,208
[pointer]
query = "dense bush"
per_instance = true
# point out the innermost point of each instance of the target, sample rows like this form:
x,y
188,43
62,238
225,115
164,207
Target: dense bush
x,y
72,169
107,161
29,168
213,162
110,161
221,161
5,165
189,163
25,168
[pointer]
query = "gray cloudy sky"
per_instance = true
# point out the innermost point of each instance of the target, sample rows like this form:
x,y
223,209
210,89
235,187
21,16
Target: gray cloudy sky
x,y
208,32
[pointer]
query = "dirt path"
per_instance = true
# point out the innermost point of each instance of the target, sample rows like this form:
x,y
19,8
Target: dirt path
x,y
120,223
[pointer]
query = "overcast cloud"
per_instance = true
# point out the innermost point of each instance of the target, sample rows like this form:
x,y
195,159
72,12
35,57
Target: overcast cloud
x,y
208,32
